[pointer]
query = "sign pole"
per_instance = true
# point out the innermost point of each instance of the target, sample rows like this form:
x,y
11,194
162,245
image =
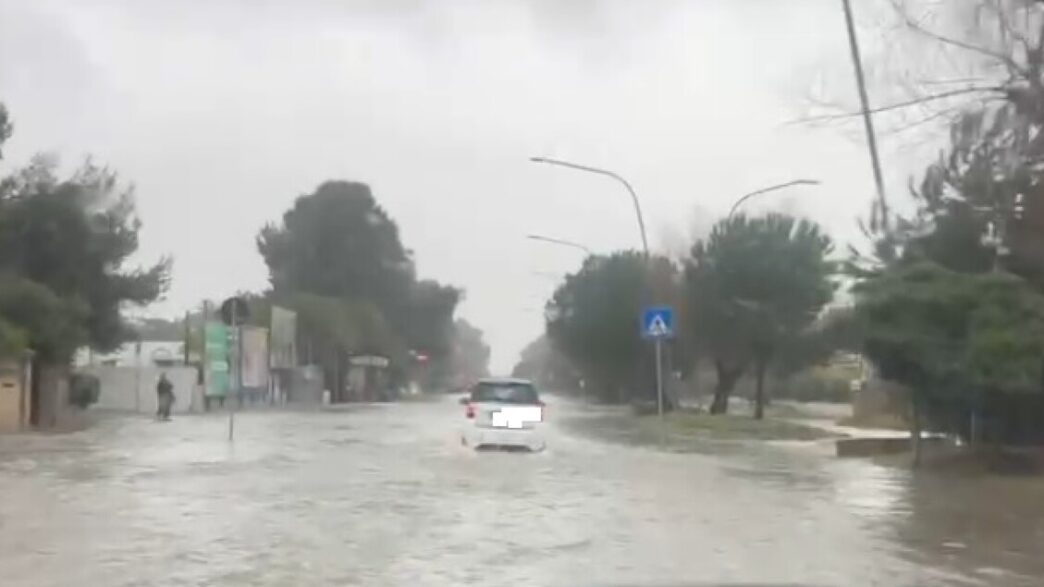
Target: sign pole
x,y
658,324
231,404
659,386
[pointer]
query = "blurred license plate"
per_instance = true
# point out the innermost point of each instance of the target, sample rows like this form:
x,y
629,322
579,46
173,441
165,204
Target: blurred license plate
x,y
515,416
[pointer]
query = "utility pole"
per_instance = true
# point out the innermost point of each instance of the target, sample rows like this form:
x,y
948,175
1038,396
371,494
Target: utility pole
x,y
868,122
187,339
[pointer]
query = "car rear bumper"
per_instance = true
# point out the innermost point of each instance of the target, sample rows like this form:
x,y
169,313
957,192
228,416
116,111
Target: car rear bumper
x,y
487,437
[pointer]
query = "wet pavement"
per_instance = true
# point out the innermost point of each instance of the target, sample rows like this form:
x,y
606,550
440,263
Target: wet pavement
x,y
385,495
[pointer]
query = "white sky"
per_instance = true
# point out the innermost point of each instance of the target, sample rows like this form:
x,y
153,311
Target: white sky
x,y
222,112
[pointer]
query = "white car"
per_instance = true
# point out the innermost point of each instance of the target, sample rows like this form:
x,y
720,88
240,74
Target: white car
x,y
503,413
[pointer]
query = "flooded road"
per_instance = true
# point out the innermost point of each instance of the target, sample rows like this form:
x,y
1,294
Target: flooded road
x,y
385,495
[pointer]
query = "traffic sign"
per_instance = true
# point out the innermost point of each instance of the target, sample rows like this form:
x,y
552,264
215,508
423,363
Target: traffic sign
x,y
235,311
658,322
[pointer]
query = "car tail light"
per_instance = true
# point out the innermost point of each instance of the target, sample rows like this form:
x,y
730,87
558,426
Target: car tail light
x,y
469,411
543,410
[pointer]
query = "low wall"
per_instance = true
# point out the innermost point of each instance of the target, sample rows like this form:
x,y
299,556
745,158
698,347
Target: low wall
x,y
133,389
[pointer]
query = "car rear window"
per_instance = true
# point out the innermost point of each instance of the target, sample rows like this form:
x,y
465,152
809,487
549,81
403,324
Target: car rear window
x,y
505,393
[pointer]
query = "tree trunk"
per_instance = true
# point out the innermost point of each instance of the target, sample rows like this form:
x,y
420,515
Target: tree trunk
x,y
727,379
915,428
759,391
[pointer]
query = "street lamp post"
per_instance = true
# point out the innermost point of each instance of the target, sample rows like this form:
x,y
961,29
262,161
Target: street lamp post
x,y
746,197
607,173
645,250
558,241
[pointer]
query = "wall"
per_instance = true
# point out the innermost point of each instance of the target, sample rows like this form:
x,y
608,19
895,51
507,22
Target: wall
x,y
14,396
134,389
52,397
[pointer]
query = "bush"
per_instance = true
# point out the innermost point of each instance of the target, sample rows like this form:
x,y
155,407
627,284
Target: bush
x,y
83,390
811,387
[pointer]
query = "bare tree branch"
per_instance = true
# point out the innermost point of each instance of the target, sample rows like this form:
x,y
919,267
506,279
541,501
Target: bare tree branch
x,y
905,104
944,113
912,24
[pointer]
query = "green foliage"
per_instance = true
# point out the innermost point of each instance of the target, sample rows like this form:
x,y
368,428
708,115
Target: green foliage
x,y
52,326
72,237
814,386
470,357
835,330
755,282
352,327
338,259
546,366
5,127
426,321
13,340
754,287
338,242
593,318
944,333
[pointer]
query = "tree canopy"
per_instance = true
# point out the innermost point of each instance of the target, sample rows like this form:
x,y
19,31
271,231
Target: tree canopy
x,y
338,242
64,245
470,357
593,318
753,286
337,259
5,128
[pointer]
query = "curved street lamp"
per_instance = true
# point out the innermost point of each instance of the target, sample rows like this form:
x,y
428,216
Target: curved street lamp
x,y
607,173
746,197
558,241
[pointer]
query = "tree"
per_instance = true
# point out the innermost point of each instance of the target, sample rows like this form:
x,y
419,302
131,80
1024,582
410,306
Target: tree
x,y
72,238
547,366
953,338
338,252
593,319
754,286
426,321
980,214
470,356
836,329
12,340
330,329
35,317
5,128
338,242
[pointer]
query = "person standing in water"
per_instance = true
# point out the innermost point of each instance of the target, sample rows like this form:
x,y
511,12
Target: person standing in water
x,y
164,397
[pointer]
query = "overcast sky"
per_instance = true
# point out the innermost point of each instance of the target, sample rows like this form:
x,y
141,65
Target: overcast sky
x,y
222,112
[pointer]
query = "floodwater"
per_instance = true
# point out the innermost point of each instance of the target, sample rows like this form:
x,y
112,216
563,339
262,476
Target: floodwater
x,y
385,495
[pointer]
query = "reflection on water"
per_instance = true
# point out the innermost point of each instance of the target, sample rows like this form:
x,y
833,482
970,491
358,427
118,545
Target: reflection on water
x,y
388,497
978,528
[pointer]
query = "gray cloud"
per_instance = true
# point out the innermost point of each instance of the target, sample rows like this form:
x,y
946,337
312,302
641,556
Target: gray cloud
x,y
223,112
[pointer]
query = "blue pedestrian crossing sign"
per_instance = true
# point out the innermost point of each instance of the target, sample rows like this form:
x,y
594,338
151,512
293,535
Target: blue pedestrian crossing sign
x,y
658,322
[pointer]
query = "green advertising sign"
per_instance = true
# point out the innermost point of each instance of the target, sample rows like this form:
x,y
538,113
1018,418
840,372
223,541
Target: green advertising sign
x,y
217,359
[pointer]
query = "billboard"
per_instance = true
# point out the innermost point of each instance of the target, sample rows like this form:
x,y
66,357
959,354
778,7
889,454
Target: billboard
x,y
216,363
283,340
255,357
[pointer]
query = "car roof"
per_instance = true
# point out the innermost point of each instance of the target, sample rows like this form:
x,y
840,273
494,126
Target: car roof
x,y
505,381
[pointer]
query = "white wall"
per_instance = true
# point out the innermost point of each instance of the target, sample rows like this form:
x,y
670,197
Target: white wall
x,y
134,389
